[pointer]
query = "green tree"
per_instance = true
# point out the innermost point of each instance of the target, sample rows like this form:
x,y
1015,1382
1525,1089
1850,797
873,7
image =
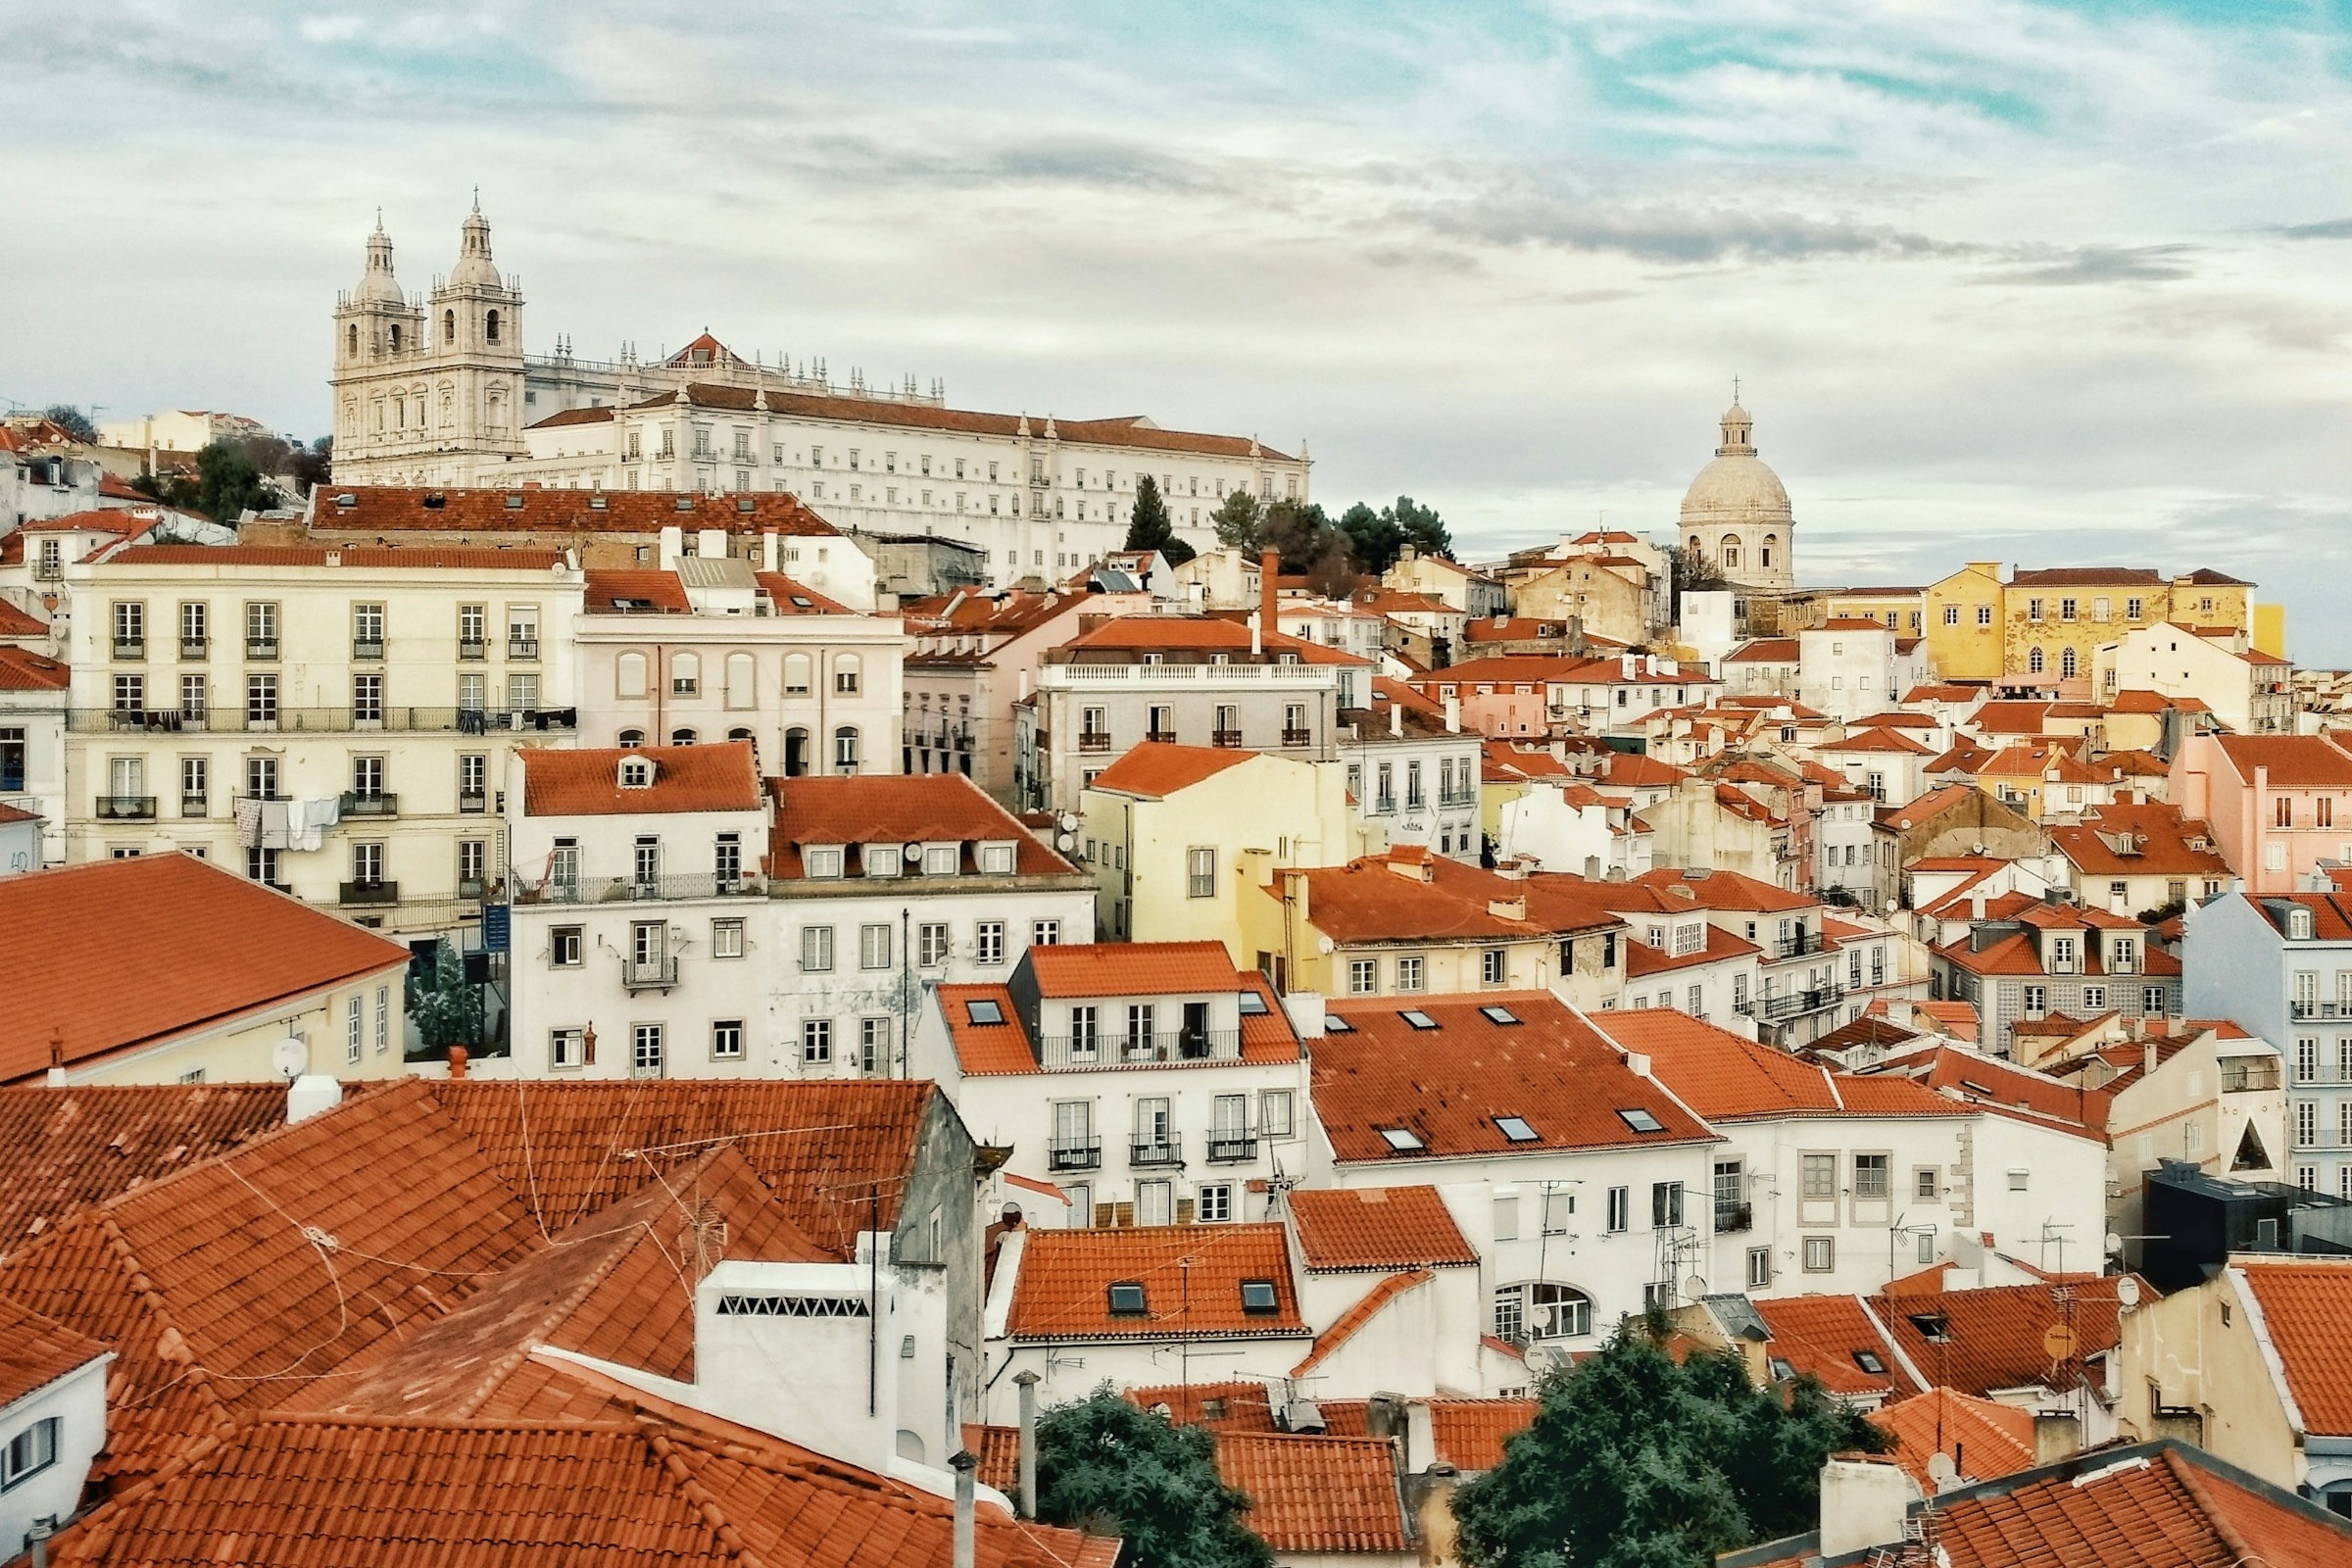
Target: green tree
x,y
1106,1465
228,479
445,1010
1421,527
1373,537
1148,526
1635,1460
1238,519
77,423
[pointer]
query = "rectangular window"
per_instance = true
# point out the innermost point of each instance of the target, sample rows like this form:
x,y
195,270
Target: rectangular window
x,y
1873,1176
1363,976
1215,1203
1621,1209
816,948
29,1452
1045,933
1759,1267
816,1039
931,943
1665,1204
990,943
1819,1176
1408,974
1086,1040
644,1049
873,1044
1274,1113
873,947
726,1039
563,946
1200,873
1924,1183
1492,966
2151,1000
383,1017
1820,1254
367,699
354,1025
566,1047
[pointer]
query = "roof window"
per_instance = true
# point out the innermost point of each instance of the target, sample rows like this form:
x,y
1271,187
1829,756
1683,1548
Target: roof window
x,y
1334,1024
1257,1298
1782,1370
1127,1299
1401,1139
802,602
1516,1129
1641,1122
598,504
1254,1005
1417,1018
743,504
1868,1361
347,498
435,501
1499,1016
636,773
2298,924
1934,1327
685,503
983,1010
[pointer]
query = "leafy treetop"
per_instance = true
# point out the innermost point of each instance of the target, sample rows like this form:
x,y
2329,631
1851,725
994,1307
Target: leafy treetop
x,y
1107,1466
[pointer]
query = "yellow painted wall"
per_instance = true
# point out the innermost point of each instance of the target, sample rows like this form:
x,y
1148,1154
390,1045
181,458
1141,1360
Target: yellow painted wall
x,y
2270,630
244,1052
1965,650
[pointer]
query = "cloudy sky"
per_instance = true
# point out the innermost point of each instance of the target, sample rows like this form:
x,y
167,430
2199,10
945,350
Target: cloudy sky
x,y
2032,282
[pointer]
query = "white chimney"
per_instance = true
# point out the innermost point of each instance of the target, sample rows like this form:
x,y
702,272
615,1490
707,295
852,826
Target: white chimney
x,y
1257,635
769,553
310,1094
1864,1503
1306,1011
672,545
711,542
1976,903
1396,718
1453,716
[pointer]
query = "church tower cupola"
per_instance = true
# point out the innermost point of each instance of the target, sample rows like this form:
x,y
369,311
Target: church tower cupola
x,y
474,268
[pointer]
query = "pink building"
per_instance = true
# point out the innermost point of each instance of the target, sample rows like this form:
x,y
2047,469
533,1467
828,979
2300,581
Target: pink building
x,y
2279,803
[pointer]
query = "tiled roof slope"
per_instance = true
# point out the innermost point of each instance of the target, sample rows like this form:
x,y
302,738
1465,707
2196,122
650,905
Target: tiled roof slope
x,y
1317,1495
1992,1336
415,508
1724,1077
235,947
720,777
1820,1335
897,809
618,1285
2303,1307
1236,1406
1156,769
1469,1434
307,1491
1376,1228
36,1352
352,557
1351,1322
23,670
1132,968
2291,761
1447,1086
567,1150
1192,1277
1987,1440
62,1147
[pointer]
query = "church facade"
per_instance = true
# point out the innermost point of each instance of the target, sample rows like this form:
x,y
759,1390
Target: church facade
x,y
437,390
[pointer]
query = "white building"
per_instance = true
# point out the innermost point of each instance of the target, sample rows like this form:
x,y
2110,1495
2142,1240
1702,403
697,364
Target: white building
x,y
1412,773
327,719
1849,668
1149,1082
187,430
52,1419
2249,691
35,697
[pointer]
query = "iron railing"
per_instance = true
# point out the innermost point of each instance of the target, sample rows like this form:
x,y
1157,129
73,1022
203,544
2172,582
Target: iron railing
x,y
124,809
270,718
637,889
1075,1153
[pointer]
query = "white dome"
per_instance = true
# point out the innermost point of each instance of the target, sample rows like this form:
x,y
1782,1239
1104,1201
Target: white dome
x,y
378,285
1736,487
474,268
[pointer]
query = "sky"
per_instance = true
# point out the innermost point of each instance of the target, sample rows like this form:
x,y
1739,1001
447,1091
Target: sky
x,y
2031,282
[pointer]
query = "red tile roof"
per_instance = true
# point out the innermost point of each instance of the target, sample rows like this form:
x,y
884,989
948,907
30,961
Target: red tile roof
x,y
2159,837
1317,1495
1987,1440
1992,1337
2292,761
1157,769
1132,968
1447,1086
349,558
1351,1322
36,1350
1726,1078
1765,651
236,949
790,597
410,508
1724,889
1469,1434
1823,1337
1376,1228
986,1049
1192,1277
23,670
1369,900
2303,1304
898,809
640,592
15,622
1143,633
1641,961
1878,738
720,777
1236,1406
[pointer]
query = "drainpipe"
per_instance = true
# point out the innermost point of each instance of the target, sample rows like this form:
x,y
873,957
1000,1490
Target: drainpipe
x,y
1026,1382
964,1464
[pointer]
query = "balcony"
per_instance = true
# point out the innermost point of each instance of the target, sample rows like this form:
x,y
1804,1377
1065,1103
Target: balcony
x,y
372,892
193,806
1298,737
1155,1152
1228,738
522,647
1789,1004
1088,740
1075,1153
125,809
471,887
473,803
472,648
2244,1074
1166,737
193,647
649,974
637,889
1799,944
1231,1148
1733,1219
261,648
131,648
269,718
377,803
1061,1051
2302,1010
369,648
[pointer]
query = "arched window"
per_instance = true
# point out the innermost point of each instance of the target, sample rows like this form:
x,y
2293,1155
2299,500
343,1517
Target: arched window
x,y
685,674
449,327
498,411
796,674
844,674
739,733
2034,661
490,327
1694,549
2065,663
632,675
796,752
741,686
1541,1312
1728,552
681,737
396,337
632,738
845,749
1770,540
351,341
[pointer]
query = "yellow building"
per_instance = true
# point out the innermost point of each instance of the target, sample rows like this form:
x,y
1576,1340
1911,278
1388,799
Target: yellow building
x,y
1964,623
1902,610
2047,624
1178,836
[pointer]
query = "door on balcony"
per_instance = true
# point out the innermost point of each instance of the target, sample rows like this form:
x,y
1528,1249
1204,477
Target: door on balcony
x,y
125,781
796,752
1073,1135
1152,1131
648,943
366,779
645,868
1195,1029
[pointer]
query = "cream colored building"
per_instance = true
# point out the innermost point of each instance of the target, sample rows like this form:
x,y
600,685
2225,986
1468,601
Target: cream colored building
x,y
184,430
2249,691
1735,515
330,722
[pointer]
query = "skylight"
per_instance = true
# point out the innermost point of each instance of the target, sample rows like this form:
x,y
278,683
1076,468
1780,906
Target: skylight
x,y
1254,1005
1641,1122
984,1010
1401,1139
802,602
1127,1299
1868,1361
1417,1018
1257,1297
1499,1015
1334,1024
1516,1129
1934,1327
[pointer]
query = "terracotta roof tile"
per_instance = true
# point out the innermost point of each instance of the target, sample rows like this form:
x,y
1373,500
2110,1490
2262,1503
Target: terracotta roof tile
x,y
1826,1337
2159,835
347,557
1132,968
1317,1495
790,597
2304,1311
986,1049
1469,1434
1989,1338
1192,1277
23,670
1351,1322
1368,900
1376,1228
413,509
1641,961
1236,1406
635,592
1447,1087
720,777
15,622
1723,890
1726,1078
897,809
1989,1439
236,948
1130,633
2293,761
1157,769
36,1350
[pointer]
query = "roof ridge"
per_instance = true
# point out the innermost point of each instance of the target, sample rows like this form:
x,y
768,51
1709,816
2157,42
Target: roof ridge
x,y
152,1301
1367,1307
2184,1477
1887,1336
701,1497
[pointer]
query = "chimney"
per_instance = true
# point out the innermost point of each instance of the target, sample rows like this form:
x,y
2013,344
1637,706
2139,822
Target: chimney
x,y
672,545
310,1094
1976,903
57,1059
1258,631
769,553
1026,1382
1397,718
1269,568
1453,716
457,1061
1865,1502
964,1464
2057,1435
1306,1011
2147,1058
1294,893
1508,908
711,542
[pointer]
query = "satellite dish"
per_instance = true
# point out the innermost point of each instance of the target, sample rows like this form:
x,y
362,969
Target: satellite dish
x,y
1065,841
1693,1288
2115,1243
2126,1293
290,1059
1070,821
1942,1471
1323,945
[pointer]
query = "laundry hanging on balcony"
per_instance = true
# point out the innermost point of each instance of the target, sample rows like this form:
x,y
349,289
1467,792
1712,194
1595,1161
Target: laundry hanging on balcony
x,y
307,822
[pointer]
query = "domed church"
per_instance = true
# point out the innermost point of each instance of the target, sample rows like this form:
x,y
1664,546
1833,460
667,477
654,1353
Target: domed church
x,y
1736,515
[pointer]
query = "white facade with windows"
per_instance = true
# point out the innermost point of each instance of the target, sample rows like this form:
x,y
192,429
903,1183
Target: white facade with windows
x,y
2280,967
51,1432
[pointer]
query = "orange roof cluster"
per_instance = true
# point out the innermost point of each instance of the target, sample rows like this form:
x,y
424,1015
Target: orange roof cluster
x,y
1156,769
1441,899
1491,1073
236,949
417,508
1836,1340
721,777
1235,1406
1469,1434
1990,1440
2159,836
1988,1339
1377,1228
2291,762
1188,1282
1724,889
897,809
1317,1495
15,622
2303,1303
1724,1077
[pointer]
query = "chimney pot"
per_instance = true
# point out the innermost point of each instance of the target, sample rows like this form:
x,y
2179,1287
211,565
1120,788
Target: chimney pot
x,y
1026,1382
964,1464
1269,568
457,1061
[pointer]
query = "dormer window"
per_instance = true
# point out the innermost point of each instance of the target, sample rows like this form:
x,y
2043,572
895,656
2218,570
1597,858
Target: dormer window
x,y
636,773
996,860
2298,924
822,863
941,860
884,859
